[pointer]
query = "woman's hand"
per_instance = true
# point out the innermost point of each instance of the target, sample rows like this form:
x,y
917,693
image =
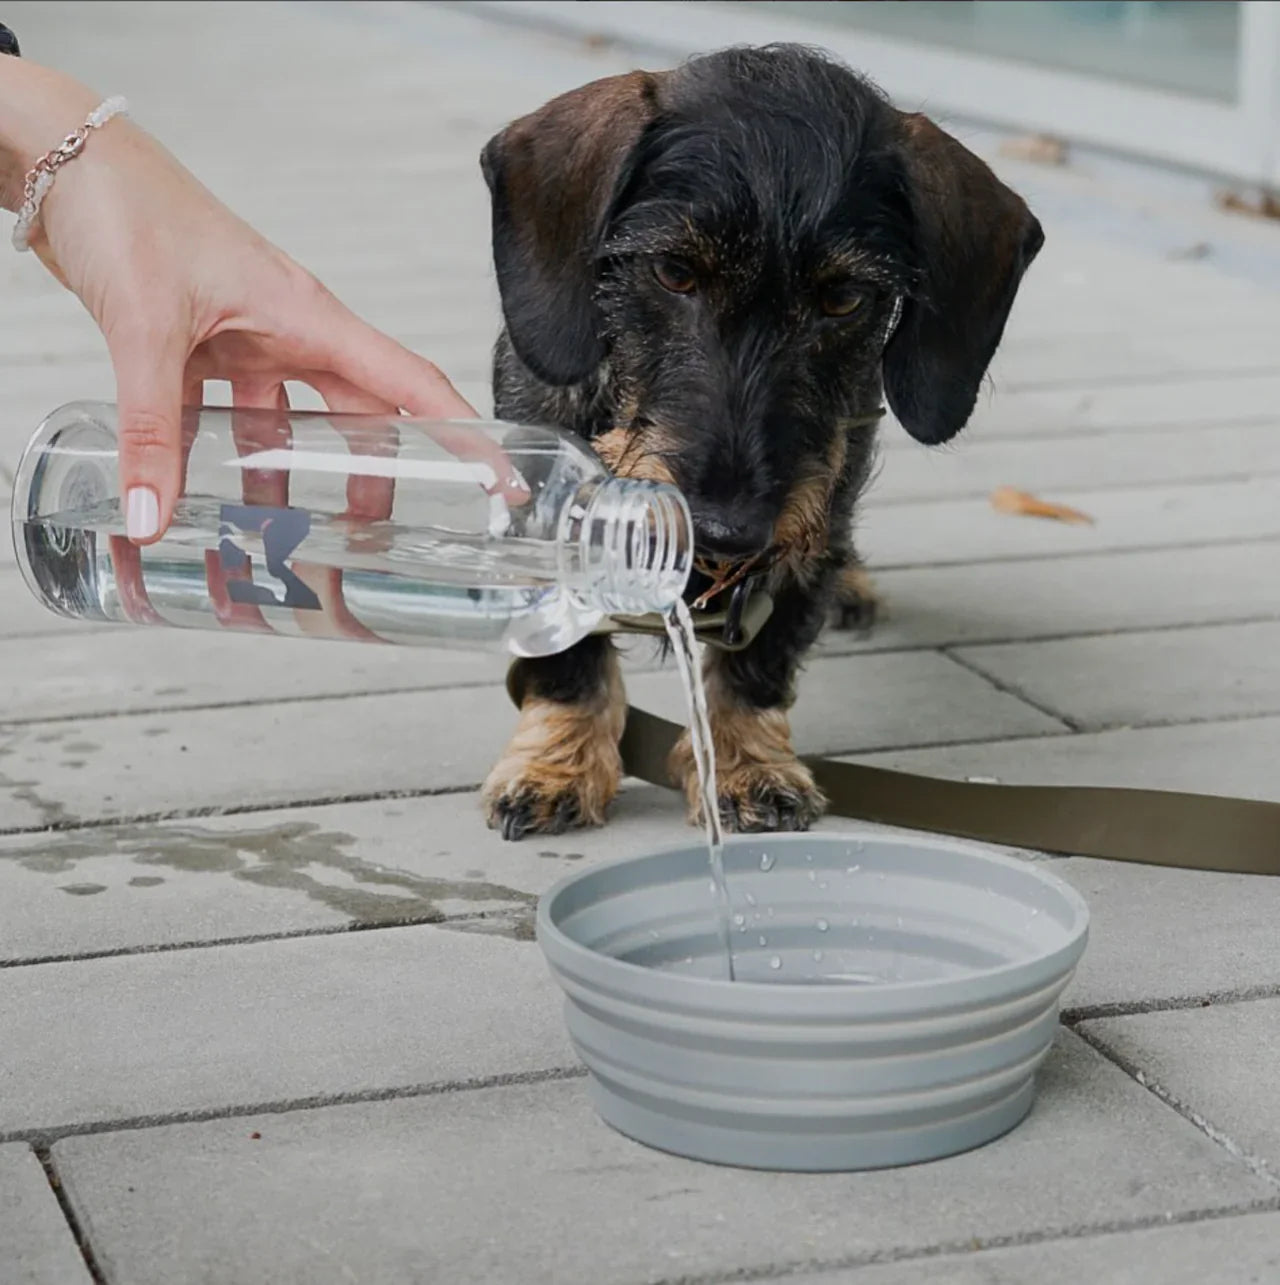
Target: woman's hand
x,y
185,291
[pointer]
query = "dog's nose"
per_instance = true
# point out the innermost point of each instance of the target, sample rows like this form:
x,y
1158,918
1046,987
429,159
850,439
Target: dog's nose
x,y
721,533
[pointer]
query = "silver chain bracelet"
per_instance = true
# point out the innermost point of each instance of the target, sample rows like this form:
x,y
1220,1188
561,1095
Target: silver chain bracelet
x,y
40,177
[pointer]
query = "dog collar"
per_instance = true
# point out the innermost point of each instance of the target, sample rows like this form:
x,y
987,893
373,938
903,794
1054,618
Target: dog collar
x,y
735,626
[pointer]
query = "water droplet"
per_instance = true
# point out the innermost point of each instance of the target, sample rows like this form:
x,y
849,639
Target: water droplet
x,y
808,856
768,910
711,883
653,933
813,878
1034,912
766,861
899,921
764,941
739,920
688,959
751,901
775,961
822,885
817,957
823,925
853,870
755,914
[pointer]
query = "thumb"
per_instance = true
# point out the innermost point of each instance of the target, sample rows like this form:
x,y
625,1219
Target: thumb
x,y
149,382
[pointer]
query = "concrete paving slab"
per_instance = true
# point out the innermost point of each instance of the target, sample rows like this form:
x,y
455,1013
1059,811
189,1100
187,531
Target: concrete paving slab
x,y
1118,408
954,531
77,770
1231,758
145,669
1173,676
1219,1062
206,1030
1094,593
525,1184
1029,361
1171,936
36,1245
135,887
1240,1250
1060,465
907,698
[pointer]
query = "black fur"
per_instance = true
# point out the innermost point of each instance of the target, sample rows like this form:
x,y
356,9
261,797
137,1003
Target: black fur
x,y
777,183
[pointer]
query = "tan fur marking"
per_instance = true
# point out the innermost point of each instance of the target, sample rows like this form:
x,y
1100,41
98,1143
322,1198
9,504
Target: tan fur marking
x,y
562,757
802,530
757,770
638,453
854,585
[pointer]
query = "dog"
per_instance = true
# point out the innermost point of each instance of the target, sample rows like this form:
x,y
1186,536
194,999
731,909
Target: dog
x,y
710,273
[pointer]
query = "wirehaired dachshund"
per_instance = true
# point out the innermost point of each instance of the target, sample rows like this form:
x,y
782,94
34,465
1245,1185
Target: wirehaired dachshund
x,y
710,273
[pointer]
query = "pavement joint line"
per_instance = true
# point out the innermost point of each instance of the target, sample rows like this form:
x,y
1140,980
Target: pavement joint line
x,y
1063,432
1072,1017
83,1244
436,920
48,1136
1172,627
1176,546
975,1244
1094,488
1181,375
1254,1163
232,810
1008,689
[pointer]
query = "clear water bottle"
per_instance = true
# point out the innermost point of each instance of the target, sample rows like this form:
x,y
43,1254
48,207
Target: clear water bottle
x,y
373,528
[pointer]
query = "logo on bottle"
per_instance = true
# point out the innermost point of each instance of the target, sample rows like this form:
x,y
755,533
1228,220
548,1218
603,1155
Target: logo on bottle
x,y
281,531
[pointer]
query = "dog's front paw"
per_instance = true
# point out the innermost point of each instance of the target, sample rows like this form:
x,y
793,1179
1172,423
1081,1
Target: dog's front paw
x,y
764,797
760,783
855,603
561,769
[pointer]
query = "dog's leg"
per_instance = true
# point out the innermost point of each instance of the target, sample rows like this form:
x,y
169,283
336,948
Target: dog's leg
x,y
854,603
561,767
761,783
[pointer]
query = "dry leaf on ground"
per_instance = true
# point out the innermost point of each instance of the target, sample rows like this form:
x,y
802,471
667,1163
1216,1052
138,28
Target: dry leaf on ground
x,y
1038,149
1008,499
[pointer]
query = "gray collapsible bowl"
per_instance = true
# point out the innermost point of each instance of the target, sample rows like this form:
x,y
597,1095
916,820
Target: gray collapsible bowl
x,y
925,983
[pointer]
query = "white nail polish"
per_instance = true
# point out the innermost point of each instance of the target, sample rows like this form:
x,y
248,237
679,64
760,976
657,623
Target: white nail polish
x,y
141,513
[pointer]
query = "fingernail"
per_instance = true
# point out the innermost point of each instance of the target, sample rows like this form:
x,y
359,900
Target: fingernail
x,y
141,513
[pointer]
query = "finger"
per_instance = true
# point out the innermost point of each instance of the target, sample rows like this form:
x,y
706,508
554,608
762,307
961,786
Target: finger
x,y
149,385
261,432
370,360
368,498
463,441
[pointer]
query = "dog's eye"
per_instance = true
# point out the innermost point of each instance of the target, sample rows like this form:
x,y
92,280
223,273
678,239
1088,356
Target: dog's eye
x,y
841,299
673,275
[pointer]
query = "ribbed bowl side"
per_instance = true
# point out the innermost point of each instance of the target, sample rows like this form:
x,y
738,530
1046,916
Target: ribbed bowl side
x,y
826,1076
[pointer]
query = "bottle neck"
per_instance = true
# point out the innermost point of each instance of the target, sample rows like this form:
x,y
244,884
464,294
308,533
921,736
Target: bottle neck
x,y
628,546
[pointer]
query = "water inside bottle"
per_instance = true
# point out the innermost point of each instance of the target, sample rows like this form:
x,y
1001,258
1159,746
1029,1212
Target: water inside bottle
x,y
474,592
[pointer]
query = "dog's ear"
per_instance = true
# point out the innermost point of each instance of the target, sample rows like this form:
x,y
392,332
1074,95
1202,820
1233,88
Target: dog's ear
x,y
975,239
552,177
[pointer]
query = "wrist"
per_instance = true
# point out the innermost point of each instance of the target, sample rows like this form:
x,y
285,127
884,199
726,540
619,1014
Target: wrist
x,y
38,108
